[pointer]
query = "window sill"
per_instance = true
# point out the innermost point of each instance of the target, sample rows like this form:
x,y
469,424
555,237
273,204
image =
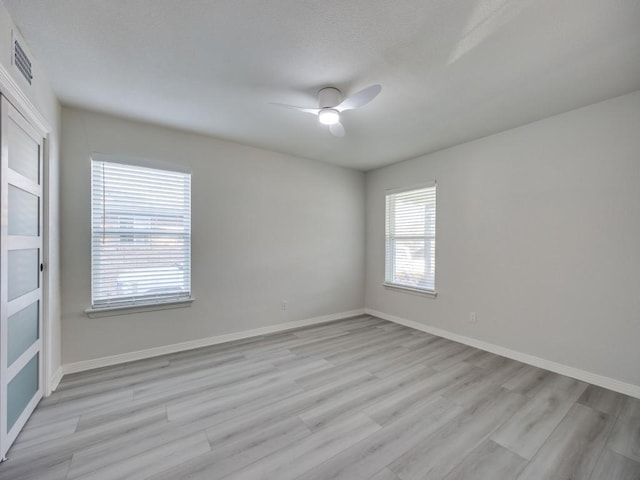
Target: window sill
x,y
415,291
129,309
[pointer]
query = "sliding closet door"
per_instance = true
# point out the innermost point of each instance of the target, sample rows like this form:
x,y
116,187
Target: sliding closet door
x,y
20,273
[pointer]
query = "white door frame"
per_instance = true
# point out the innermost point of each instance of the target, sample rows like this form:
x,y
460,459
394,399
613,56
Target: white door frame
x,y
12,367
10,88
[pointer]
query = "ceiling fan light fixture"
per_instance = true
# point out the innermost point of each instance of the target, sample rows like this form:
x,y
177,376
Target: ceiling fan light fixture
x,y
331,105
329,116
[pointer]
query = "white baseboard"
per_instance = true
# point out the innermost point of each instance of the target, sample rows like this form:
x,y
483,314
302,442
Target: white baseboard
x,y
583,375
54,381
202,342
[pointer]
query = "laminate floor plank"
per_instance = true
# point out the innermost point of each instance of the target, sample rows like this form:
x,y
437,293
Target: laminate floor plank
x,y
529,381
70,443
625,438
355,399
210,379
171,396
204,360
75,380
493,362
573,448
421,340
441,452
204,406
294,341
412,397
488,461
530,427
348,325
226,427
455,358
344,345
143,464
331,411
381,354
455,353
613,466
145,378
322,348
361,353
234,455
478,357
235,428
416,356
219,413
43,468
385,474
466,393
364,459
130,459
392,361
70,409
291,463
329,375
137,440
603,400
36,434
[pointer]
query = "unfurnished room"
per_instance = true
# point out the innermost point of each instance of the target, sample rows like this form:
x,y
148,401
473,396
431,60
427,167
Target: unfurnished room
x,y
320,239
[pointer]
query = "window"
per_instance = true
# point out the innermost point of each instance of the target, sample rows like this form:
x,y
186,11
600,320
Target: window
x,y
411,238
140,235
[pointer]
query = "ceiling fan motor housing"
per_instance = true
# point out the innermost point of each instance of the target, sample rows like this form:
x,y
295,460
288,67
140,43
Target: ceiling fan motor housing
x,y
329,97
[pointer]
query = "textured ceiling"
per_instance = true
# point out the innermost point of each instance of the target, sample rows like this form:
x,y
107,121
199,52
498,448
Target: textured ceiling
x,y
451,71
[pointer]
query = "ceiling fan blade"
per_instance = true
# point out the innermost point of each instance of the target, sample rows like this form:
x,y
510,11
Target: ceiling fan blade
x,y
337,130
313,111
359,99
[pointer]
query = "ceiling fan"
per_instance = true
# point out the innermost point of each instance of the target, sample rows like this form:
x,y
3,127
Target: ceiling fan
x,y
331,105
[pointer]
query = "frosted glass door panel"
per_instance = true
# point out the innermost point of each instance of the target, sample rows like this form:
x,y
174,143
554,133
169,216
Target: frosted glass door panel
x,y
24,212
24,153
22,331
21,390
22,266
22,202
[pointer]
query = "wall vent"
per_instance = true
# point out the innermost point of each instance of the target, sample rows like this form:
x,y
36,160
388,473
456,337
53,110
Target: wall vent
x,y
21,61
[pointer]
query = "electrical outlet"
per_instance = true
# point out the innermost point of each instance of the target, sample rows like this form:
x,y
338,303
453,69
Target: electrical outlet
x,y
283,305
473,317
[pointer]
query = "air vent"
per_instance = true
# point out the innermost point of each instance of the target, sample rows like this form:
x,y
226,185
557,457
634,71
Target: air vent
x,y
21,61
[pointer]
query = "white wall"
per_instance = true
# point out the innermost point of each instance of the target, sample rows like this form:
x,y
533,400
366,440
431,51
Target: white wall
x,y
265,227
40,96
538,232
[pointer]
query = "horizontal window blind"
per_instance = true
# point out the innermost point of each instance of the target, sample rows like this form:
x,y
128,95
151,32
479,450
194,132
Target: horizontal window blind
x,y
411,238
140,235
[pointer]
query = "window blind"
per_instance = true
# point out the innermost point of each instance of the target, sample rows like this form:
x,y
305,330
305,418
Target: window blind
x,y
411,238
140,235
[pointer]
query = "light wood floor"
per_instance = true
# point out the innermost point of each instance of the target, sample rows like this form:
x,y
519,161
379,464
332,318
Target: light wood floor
x,y
355,399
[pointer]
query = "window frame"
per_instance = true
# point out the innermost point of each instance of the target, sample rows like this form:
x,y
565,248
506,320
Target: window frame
x,y
118,305
389,261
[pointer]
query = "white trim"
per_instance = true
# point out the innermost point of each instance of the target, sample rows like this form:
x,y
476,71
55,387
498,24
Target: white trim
x,y
17,107
146,307
17,97
203,342
54,381
585,376
429,184
13,92
47,323
418,291
140,162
